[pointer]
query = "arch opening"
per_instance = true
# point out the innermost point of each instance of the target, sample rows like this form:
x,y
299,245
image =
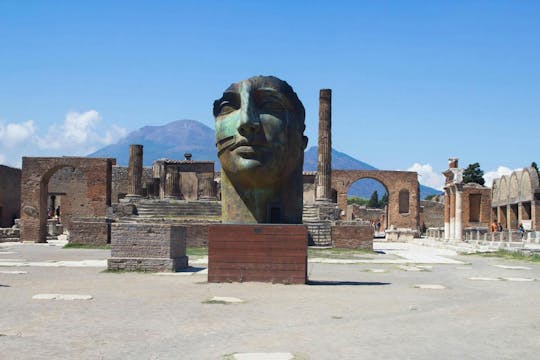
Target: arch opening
x,y
367,200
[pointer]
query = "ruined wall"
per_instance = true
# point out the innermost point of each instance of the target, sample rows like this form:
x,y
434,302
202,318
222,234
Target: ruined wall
x,y
120,181
308,180
10,195
352,236
432,213
68,185
396,182
485,206
35,178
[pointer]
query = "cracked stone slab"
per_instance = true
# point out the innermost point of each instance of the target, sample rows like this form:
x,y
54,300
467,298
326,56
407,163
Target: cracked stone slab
x,y
263,356
510,267
430,286
61,297
13,272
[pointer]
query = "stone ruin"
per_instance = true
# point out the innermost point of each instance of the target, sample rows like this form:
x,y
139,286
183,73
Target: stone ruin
x,y
99,201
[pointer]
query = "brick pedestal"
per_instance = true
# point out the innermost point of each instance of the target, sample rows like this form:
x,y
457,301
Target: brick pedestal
x,y
261,252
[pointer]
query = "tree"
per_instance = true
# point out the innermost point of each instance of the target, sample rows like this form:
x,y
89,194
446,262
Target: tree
x,y
355,200
473,174
373,200
384,200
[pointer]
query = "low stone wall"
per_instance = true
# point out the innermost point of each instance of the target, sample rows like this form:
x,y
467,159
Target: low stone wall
x,y
196,234
352,236
91,231
9,234
147,247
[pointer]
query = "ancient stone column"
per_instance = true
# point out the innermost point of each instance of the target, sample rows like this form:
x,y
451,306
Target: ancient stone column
x,y
207,186
446,215
172,182
458,226
324,159
135,170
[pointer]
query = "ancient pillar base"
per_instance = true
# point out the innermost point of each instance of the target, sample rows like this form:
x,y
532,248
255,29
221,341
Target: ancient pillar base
x,y
272,253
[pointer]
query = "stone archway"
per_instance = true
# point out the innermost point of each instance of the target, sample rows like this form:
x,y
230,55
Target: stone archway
x,y
396,182
36,173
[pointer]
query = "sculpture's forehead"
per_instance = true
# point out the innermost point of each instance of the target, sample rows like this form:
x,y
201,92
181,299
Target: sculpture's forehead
x,y
258,83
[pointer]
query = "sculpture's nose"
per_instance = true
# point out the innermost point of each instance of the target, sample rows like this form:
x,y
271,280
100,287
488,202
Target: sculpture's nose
x,y
249,120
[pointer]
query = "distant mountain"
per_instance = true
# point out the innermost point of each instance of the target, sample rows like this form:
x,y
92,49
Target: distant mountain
x,y
169,141
174,139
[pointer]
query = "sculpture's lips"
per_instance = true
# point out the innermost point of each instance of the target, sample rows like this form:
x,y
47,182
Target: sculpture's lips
x,y
249,151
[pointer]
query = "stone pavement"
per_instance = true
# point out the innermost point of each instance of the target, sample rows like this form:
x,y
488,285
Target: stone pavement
x,y
407,302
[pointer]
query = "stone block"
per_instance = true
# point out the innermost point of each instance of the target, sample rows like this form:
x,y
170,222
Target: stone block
x,y
148,247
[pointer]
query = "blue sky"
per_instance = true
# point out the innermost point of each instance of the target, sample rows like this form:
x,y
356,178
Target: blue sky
x,y
414,82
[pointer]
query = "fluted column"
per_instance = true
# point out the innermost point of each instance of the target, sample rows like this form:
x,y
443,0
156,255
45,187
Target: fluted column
x,y
172,182
324,159
135,170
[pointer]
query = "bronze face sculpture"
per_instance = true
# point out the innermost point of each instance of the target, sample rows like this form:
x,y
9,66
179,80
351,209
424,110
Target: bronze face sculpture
x,y
260,144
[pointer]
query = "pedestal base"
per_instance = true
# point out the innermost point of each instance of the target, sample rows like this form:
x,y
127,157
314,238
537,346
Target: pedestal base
x,y
259,252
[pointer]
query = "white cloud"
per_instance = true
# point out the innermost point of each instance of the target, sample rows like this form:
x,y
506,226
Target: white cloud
x,y
79,134
428,177
13,134
494,174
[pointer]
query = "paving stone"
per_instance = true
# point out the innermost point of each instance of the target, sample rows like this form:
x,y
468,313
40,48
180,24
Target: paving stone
x,y
411,268
61,297
480,278
517,279
463,267
263,356
226,299
376,270
430,286
13,272
7,252
513,267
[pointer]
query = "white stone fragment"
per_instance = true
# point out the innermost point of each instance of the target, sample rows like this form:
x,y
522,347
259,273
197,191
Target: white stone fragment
x,y
513,267
226,299
463,267
61,297
13,272
517,279
480,278
7,252
263,356
430,286
411,268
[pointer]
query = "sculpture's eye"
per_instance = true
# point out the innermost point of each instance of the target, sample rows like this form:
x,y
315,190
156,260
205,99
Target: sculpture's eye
x,y
270,103
224,107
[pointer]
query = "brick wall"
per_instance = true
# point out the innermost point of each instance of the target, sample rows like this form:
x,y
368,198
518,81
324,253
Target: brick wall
x,y
352,236
90,232
485,206
263,252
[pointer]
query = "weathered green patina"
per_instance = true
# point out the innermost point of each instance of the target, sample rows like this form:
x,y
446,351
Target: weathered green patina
x,y
260,144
